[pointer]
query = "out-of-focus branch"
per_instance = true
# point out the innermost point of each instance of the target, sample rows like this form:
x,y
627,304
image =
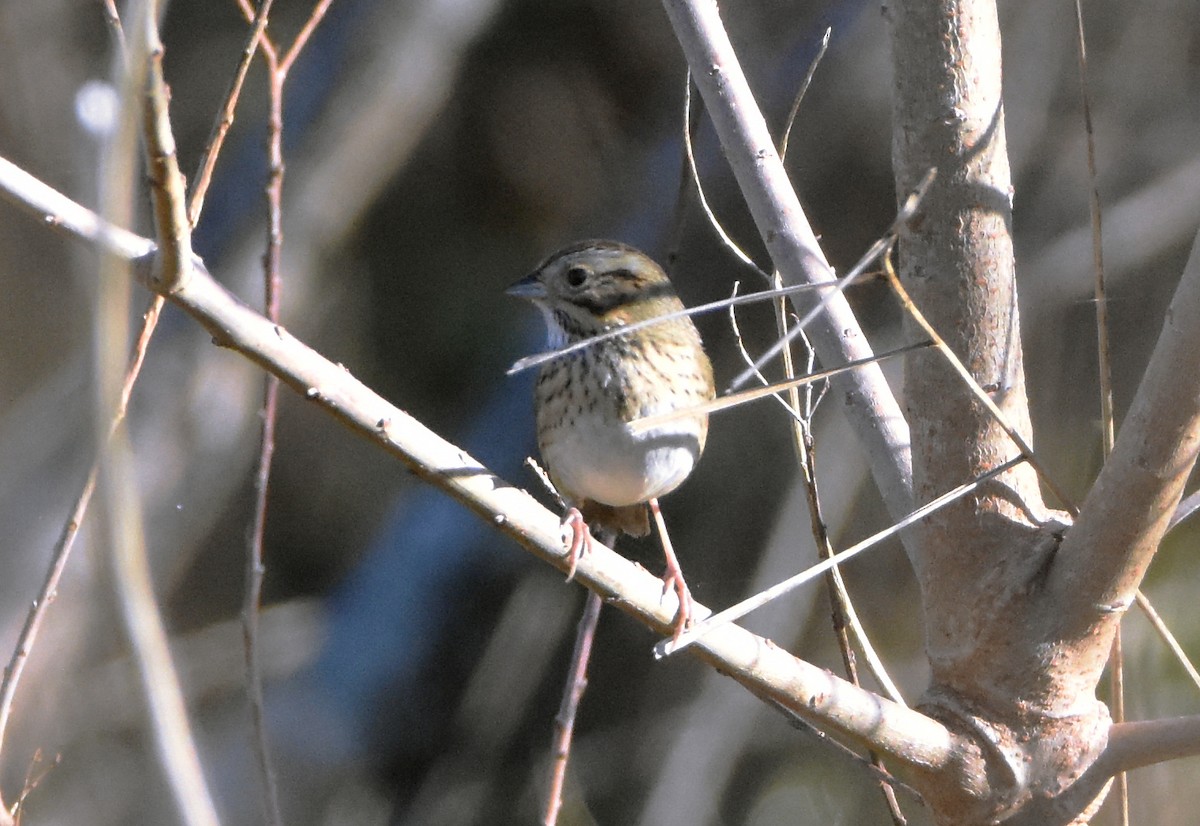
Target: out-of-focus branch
x,y
564,721
119,504
66,540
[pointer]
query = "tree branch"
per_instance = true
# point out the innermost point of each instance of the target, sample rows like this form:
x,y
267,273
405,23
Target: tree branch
x,y
1103,558
856,716
835,333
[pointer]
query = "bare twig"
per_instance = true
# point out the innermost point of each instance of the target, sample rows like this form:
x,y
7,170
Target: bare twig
x,y
212,149
855,277
278,68
804,84
119,502
792,411
32,781
113,19
310,25
564,722
1160,627
1186,507
876,250
690,155
755,393
841,606
1116,658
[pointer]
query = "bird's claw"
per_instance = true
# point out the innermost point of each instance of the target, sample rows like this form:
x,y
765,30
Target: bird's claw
x,y
674,579
580,541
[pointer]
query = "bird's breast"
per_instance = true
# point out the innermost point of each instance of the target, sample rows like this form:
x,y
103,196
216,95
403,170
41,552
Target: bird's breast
x,y
585,406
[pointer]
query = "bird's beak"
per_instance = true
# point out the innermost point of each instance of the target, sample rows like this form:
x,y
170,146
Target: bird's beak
x,y
530,287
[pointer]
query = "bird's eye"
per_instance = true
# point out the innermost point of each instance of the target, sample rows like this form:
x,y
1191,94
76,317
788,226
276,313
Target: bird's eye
x,y
576,276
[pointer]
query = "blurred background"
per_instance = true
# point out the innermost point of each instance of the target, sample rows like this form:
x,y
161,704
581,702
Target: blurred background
x,y
436,151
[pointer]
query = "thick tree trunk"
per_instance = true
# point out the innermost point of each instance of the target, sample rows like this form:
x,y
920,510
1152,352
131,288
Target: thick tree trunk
x,y
1034,725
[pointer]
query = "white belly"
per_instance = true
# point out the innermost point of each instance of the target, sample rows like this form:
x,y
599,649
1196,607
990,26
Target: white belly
x,y
607,463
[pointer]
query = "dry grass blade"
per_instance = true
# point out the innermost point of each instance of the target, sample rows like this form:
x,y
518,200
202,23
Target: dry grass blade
x,y
879,248
974,387
755,393
858,277
741,609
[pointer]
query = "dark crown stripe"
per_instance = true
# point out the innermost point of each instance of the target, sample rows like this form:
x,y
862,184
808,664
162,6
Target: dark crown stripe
x,y
610,295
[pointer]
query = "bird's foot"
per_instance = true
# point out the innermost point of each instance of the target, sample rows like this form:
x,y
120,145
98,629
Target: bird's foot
x,y
580,541
673,578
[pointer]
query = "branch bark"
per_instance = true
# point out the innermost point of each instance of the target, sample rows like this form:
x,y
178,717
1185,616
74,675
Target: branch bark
x,y
856,716
1104,557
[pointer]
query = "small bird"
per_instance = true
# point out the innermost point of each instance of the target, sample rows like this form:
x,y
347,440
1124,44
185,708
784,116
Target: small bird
x,y
586,400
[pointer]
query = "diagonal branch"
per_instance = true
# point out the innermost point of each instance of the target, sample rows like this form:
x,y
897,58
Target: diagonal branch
x,y
1103,558
836,335
855,716
841,708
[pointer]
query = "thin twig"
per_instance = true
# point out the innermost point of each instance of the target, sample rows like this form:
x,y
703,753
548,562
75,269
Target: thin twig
x,y
310,25
32,781
845,619
564,722
880,248
804,84
736,612
120,518
114,22
1169,638
1104,363
255,568
1186,507
873,661
1101,294
739,341
208,160
268,47
841,606
690,154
